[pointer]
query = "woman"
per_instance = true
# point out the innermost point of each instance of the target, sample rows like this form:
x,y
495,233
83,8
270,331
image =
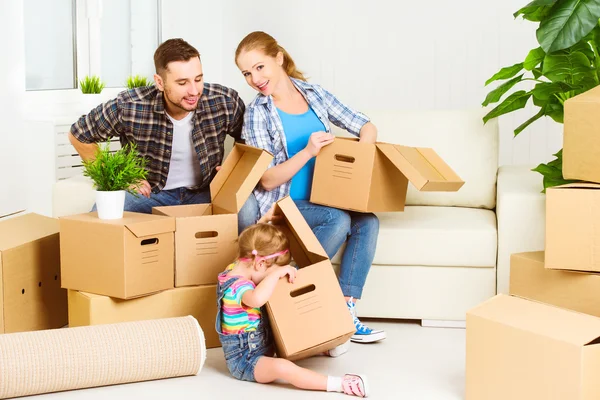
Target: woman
x,y
290,118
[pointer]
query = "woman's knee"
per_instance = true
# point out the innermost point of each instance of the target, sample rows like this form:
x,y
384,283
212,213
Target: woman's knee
x,y
340,220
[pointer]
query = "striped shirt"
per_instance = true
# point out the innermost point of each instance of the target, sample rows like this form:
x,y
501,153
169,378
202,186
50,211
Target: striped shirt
x,y
235,316
138,116
263,129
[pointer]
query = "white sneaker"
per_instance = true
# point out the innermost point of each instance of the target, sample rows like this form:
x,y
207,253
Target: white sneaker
x,y
339,350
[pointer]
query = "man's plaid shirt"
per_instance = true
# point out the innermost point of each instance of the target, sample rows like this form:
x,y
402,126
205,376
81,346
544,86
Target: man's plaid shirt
x,y
138,116
263,129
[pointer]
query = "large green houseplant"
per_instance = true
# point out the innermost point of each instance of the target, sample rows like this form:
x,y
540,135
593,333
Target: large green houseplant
x,y
566,63
113,174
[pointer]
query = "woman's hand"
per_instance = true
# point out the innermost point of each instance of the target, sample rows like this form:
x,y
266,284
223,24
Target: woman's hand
x,y
317,141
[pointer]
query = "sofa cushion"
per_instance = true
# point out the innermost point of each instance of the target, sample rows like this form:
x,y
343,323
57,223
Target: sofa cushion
x,y
460,138
436,236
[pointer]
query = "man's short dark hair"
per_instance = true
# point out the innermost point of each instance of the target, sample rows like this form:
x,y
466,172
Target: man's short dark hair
x,y
173,50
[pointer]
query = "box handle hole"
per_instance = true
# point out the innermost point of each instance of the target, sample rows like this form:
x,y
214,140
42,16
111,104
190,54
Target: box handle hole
x,y
22,291
148,242
346,159
302,291
205,235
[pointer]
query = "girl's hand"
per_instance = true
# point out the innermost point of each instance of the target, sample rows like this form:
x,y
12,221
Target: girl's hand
x,y
288,270
317,141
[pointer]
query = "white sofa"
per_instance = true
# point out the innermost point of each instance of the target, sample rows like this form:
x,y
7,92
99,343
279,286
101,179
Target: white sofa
x,y
447,252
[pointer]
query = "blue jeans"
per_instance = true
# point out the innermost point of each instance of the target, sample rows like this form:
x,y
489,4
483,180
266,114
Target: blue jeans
x,y
247,216
333,227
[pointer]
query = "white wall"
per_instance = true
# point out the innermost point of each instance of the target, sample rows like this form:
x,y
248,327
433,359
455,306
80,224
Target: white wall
x,y
407,55
13,154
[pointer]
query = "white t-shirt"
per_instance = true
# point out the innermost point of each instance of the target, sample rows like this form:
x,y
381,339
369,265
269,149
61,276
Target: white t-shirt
x,y
184,168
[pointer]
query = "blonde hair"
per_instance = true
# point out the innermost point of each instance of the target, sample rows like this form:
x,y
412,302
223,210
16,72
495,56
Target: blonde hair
x,y
266,239
265,42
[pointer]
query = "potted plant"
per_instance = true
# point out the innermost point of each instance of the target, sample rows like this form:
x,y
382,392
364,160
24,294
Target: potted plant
x,y
566,63
135,81
91,87
113,174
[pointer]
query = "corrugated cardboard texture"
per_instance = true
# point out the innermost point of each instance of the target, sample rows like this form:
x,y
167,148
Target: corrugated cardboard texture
x,y
199,302
30,294
581,142
573,227
204,244
354,176
577,291
523,350
314,299
238,176
107,257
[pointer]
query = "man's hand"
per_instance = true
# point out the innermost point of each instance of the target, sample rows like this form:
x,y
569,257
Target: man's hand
x,y
143,188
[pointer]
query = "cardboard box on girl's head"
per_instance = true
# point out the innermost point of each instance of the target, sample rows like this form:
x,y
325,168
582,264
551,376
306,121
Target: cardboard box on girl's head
x,y
310,315
205,234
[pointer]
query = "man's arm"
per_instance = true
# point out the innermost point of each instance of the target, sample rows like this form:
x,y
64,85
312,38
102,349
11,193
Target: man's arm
x,y
238,119
87,151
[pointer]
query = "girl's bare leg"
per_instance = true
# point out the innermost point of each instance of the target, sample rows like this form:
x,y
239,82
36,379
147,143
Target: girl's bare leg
x,y
269,369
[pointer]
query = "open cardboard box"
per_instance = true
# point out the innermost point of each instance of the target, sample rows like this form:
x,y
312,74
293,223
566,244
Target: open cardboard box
x,y
198,301
30,294
122,258
581,138
520,349
374,177
573,227
313,300
205,234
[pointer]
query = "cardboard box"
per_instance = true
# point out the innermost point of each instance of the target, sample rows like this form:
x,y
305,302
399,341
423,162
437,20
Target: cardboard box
x,y
313,300
122,258
30,294
519,349
205,234
581,142
200,302
573,227
573,290
374,177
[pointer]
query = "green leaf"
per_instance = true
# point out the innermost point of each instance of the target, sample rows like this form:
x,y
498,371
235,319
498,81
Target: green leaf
x,y
569,22
534,57
118,170
513,102
531,120
536,10
543,91
555,111
567,67
495,95
505,73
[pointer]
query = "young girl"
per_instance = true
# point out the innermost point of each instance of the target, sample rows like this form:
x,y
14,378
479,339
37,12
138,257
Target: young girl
x,y
243,288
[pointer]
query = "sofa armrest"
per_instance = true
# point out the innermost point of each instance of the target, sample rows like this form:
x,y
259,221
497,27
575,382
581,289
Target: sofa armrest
x,y
75,195
520,210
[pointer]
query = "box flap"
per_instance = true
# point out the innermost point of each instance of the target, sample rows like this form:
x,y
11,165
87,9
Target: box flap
x,y
300,228
141,226
541,319
240,173
576,185
26,228
535,256
423,167
183,211
592,95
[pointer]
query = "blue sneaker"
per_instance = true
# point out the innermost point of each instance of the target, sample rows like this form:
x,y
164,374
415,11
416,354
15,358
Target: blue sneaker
x,y
363,333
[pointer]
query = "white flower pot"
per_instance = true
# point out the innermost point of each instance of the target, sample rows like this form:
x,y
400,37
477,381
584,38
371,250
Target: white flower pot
x,y
110,204
89,101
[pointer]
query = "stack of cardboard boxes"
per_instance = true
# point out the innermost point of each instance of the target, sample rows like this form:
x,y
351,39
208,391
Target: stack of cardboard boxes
x,y
161,265
543,341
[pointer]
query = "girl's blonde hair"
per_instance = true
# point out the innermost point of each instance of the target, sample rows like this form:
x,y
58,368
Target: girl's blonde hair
x,y
266,239
265,42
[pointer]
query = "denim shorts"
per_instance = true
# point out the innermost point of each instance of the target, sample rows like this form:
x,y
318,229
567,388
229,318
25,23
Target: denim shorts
x,y
242,351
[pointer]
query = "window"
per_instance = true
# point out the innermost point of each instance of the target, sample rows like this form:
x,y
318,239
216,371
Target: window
x,y
65,40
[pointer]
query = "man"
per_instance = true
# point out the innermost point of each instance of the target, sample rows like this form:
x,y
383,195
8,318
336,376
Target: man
x,y
179,126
